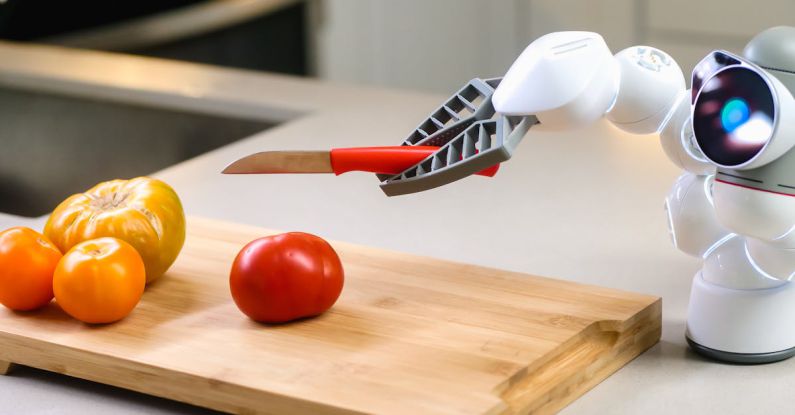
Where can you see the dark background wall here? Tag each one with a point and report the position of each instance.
(274, 42)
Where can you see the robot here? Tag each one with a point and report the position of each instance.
(732, 133)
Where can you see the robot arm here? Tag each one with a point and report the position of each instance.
(561, 80)
(569, 79)
(566, 80)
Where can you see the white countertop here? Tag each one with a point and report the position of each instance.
(584, 206)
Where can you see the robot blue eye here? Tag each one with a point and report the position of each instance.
(734, 114)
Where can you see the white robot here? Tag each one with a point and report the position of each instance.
(732, 133)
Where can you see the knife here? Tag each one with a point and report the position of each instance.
(383, 160)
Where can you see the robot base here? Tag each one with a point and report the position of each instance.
(741, 326)
(740, 358)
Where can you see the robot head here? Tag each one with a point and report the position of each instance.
(743, 117)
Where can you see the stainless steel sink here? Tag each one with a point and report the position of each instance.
(52, 146)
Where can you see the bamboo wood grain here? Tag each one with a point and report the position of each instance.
(409, 335)
(6, 367)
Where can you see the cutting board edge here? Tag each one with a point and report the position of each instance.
(150, 379)
(584, 361)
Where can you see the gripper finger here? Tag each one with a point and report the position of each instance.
(470, 135)
(479, 146)
(469, 104)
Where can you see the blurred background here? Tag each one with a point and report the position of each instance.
(430, 45)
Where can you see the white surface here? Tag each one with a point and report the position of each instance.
(584, 206)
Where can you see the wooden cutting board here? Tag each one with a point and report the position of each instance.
(409, 335)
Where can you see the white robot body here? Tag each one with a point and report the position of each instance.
(676, 139)
(728, 264)
(756, 213)
(741, 325)
(733, 207)
(691, 216)
(741, 302)
(774, 261)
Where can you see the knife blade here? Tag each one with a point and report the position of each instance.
(384, 160)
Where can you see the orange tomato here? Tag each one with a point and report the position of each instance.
(27, 262)
(99, 281)
(144, 212)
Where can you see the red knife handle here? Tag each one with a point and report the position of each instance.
(386, 160)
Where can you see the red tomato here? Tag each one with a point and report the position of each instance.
(286, 277)
(27, 263)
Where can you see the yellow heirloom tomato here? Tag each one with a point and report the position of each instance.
(144, 212)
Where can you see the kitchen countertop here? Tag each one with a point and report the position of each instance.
(582, 205)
